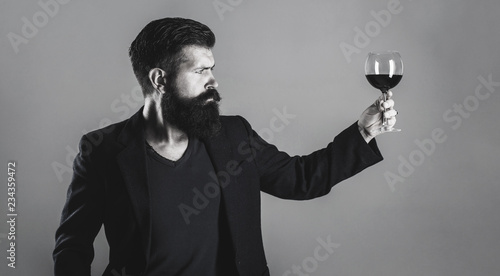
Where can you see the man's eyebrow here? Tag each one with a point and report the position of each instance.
(204, 67)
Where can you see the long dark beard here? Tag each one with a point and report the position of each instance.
(197, 117)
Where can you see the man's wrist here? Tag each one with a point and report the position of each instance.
(365, 134)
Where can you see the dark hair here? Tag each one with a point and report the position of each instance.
(160, 44)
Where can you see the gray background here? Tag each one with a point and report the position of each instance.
(74, 75)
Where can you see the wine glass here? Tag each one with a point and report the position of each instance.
(384, 71)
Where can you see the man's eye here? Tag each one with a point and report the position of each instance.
(199, 71)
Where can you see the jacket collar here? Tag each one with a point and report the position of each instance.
(133, 138)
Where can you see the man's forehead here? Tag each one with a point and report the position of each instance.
(197, 56)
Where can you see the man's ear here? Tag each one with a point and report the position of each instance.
(157, 77)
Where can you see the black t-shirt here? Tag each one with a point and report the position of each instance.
(186, 237)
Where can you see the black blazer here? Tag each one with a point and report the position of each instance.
(110, 187)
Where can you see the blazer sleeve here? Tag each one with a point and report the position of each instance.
(313, 175)
(81, 219)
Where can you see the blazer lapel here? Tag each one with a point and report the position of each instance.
(221, 154)
(132, 163)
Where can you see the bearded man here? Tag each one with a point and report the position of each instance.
(177, 186)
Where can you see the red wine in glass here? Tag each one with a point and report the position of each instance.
(384, 71)
(384, 82)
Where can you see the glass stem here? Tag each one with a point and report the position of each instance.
(384, 119)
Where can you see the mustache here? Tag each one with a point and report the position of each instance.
(207, 95)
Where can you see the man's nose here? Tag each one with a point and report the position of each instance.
(212, 83)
